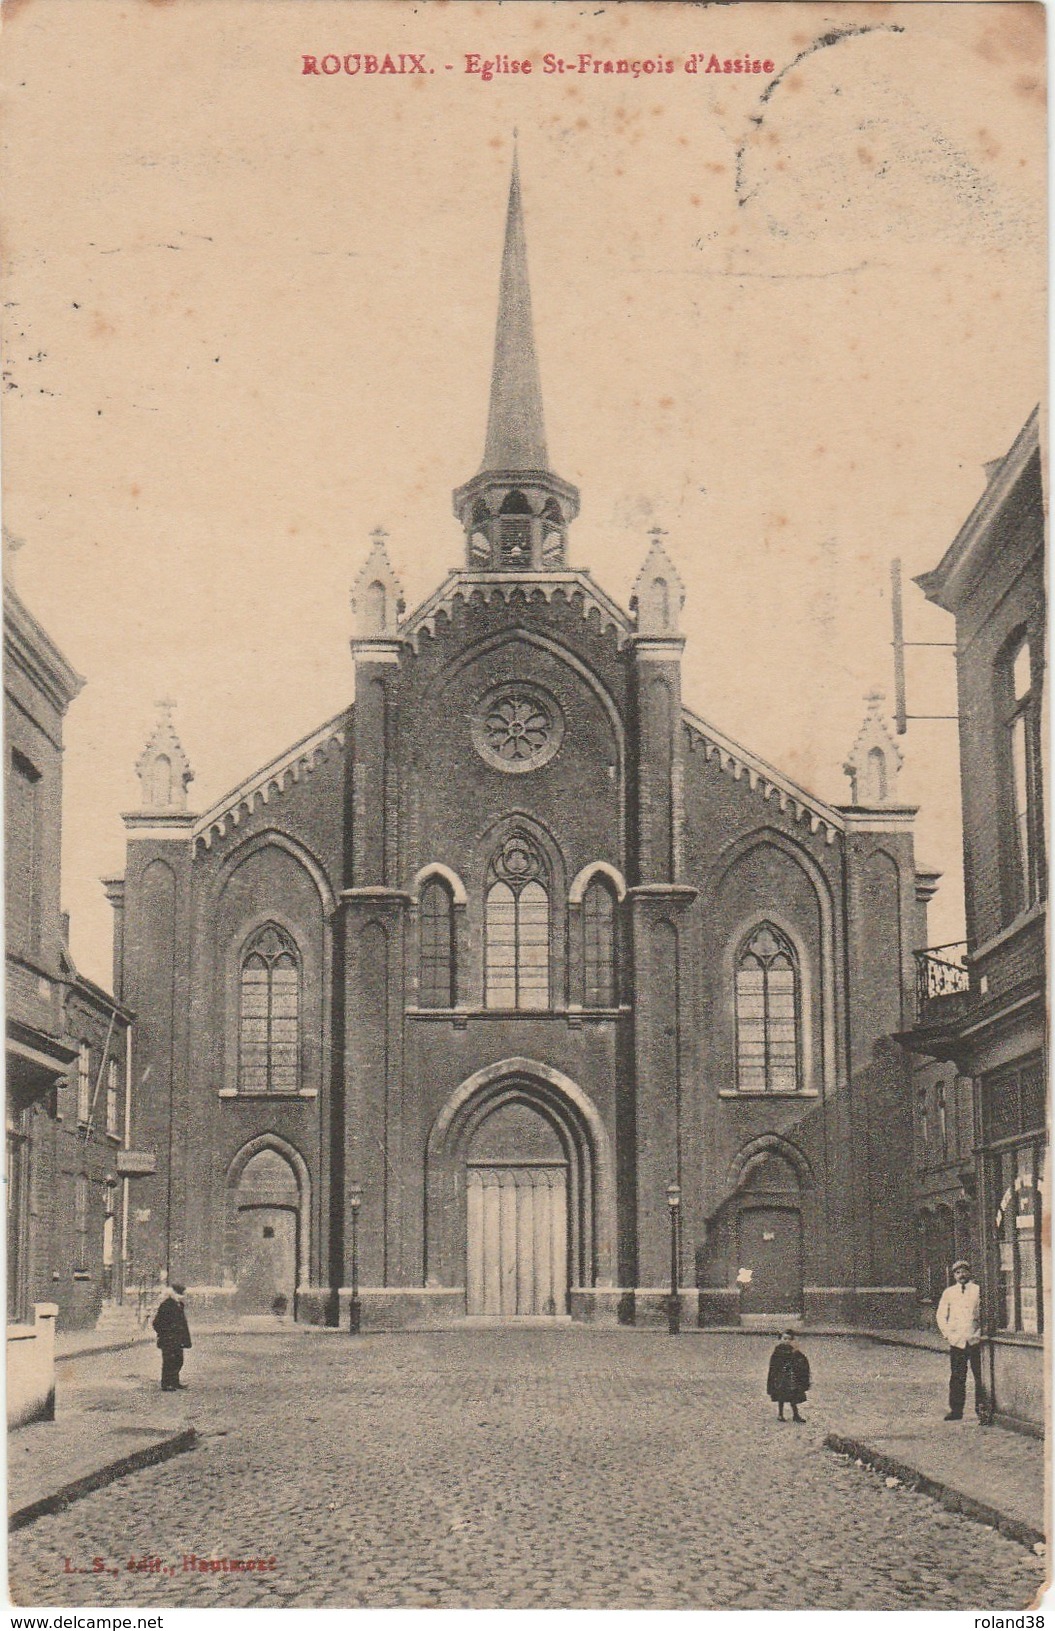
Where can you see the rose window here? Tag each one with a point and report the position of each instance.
(517, 728)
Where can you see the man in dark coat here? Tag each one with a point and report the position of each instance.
(789, 1376)
(170, 1323)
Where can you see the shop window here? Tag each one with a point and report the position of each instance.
(1019, 1188)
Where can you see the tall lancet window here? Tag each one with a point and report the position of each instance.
(768, 1019)
(598, 930)
(516, 929)
(436, 962)
(269, 1014)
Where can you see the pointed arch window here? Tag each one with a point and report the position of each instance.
(436, 988)
(598, 930)
(269, 1014)
(516, 928)
(768, 1014)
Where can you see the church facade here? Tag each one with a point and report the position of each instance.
(464, 982)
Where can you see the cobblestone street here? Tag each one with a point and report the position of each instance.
(516, 1468)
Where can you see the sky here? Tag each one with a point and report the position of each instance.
(249, 314)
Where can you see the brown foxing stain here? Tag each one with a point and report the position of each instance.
(1018, 34)
(819, 451)
(865, 155)
(12, 9)
(988, 143)
(666, 402)
(715, 169)
(695, 200)
(101, 326)
(135, 490)
(293, 529)
(1031, 87)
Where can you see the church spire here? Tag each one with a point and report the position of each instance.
(516, 435)
(515, 511)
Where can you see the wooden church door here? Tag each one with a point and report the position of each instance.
(517, 1239)
(770, 1245)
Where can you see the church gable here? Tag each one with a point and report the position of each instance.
(301, 791)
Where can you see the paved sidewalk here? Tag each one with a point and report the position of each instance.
(520, 1468)
(111, 1420)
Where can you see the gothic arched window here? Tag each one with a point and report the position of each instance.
(516, 928)
(598, 933)
(436, 957)
(767, 1013)
(269, 1014)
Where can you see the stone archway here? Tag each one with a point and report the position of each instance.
(266, 1241)
(520, 1194)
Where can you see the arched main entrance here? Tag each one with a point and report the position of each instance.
(516, 1225)
(521, 1204)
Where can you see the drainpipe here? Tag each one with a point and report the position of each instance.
(128, 1146)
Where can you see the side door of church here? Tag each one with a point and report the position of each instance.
(267, 1259)
(770, 1245)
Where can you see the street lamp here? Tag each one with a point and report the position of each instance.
(355, 1201)
(674, 1306)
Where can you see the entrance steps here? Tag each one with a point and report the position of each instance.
(523, 1322)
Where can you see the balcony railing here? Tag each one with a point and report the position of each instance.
(941, 971)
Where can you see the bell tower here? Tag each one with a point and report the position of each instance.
(515, 511)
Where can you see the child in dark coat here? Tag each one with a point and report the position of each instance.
(789, 1376)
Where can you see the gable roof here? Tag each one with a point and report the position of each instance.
(772, 783)
(289, 767)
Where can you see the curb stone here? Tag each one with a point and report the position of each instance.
(105, 1348)
(952, 1500)
(62, 1498)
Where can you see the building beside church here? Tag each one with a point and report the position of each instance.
(66, 1038)
(982, 1005)
(511, 945)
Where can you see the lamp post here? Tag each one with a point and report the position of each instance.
(674, 1306)
(355, 1201)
